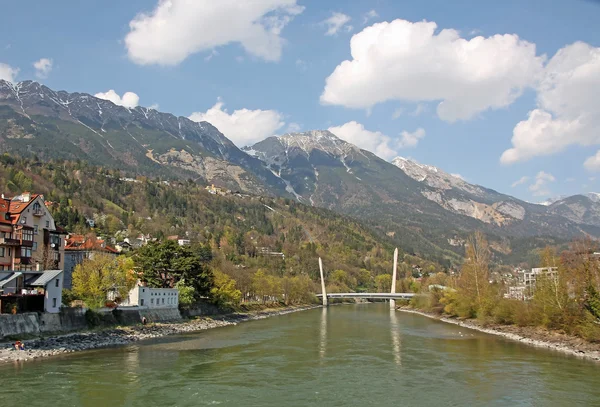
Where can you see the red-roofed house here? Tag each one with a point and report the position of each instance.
(29, 238)
(79, 248)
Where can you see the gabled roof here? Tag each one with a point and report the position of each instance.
(44, 278)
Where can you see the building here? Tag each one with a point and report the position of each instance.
(29, 238)
(525, 287)
(31, 291)
(79, 248)
(180, 241)
(152, 298)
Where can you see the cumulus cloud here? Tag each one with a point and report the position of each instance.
(593, 162)
(293, 128)
(369, 15)
(376, 142)
(520, 181)
(540, 185)
(568, 112)
(128, 100)
(43, 67)
(337, 22)
(8, 73)
(408, 139)
(176, 29)
(243, 127)
(402, 60)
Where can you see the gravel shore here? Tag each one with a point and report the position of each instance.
(534, 336)
(74, 342)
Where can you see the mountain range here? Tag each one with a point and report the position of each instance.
(424, 209)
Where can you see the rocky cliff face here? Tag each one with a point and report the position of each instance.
(39, 120)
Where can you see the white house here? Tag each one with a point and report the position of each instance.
(152, 297)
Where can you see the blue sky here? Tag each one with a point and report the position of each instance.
(264, 70)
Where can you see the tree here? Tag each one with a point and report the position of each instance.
(383, 283)
(96, 277)
(474, 276)
(224, 292)
(164, 264)
(186, 293)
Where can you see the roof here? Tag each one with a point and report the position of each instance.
(44, 278)
(80, 242)
(7, 277)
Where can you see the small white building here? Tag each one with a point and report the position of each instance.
(152, 297)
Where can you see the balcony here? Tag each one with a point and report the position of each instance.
(10, 241)
(38, 212)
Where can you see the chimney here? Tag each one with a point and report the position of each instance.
(26, 196)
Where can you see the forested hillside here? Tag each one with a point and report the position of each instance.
(243, 231)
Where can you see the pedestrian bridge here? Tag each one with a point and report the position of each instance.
(379, 296)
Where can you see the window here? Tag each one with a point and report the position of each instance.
(35, 229)
(23, 219)
(53, 302)
(25, 251)
(57, 282)
(163, 301)
(34, 246)
(152, 301)
(2, 250)
(47, 224)
(142, 302)
(56, 256)
(28, 234)
(9, 252)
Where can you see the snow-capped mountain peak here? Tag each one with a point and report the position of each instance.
(434, 177)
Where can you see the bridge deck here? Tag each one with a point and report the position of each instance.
(390, 296)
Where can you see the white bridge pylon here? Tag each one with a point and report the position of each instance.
(392, 296)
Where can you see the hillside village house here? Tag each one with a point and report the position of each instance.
(29, 238)
(79, 248)
(31, 291)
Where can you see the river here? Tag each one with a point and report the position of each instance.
(355, 355)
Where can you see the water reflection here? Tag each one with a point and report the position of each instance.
(395, 331)
(323, 335)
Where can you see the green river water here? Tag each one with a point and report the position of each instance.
(355, 355)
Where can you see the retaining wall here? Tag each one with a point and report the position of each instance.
(73, 319)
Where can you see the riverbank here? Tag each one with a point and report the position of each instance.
(80, 341)
(534, 336)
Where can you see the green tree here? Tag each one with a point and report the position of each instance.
(96, 277)
(224, 292)
(383, 283)
(186, 293)
(164, 264)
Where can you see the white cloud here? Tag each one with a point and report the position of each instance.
(397, 113)
(568, 112)
(293, 128)
(411, 139)
(243, 126)
(337, 22)
(520, 181)
(593, 162)
(301, 65)
(406, 61)
(540, 186)
(43, 67)
(369, 15)
(154, 106)
(376, 142)
(458, 176)
(8, 73)
(129, 99)
(176, 29)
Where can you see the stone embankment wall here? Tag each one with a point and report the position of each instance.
(73, 319)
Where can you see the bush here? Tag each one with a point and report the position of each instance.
(92, 318)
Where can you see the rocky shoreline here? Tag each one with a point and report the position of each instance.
(533, 336)
(80, 341)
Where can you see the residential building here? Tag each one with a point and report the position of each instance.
(31, 291)
(79, 248)
(29, 238)
(180, 241)
(152, 298)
